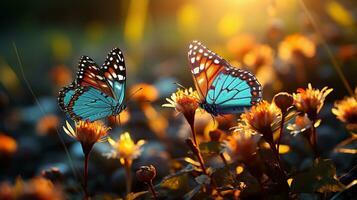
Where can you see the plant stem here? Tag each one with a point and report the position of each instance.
(313, 139)
(283, 114)
(223, 159)
(85, 175)
(152, 189)
(191, 121)
(128, 175)
(195, 147)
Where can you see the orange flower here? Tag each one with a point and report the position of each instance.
(47, 125)
(184, 101)
(144, 92)
(8, 145)
(261, 116)
(240, 45)
(242, 142)
(296, 45)
(6, 191)
(120, 119)
(346, 110)
(261, 55)
(310, 101)
(36, 188)
(61, 75)
(87, 133)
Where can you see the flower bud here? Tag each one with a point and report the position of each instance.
(146, 173)
(215, 135)
(283, 101)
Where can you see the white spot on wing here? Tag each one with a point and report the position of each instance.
(196, 70)
(192, 60)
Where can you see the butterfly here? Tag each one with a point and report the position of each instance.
(97, 92)
(223, 89)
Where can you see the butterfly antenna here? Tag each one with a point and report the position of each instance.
(43, 111)
(119, 121)
(131, 95)
(181, 86)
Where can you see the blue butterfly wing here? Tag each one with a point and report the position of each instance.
(234, 90)
(114, 72)
(223, 89)
(91, 104)
(65, 96)
(97, 92)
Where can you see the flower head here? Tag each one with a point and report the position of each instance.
(144, 92)
(47, 125)
(296, 46)
(240, 45)
(146, 173)
(310, 100)
(346, 110)
(61, 75)
(8, 145)
(87, 133)
(261, 55)
(120, 119)
(125, 148)
(261, 117)
(184, 101)
(35, 188)
(242, 142)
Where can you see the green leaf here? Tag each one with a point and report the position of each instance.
(224, 176)
(319, 178)
(212, 147)
(175, 182)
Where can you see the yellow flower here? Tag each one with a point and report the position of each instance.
(87, 133)
(310, 100)
(296, 45)
(125, 148)
(346, 110)
(184, 101)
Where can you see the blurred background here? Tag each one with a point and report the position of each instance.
(286, 43)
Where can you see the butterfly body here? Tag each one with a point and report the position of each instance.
(97, 92)
(223, 89)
